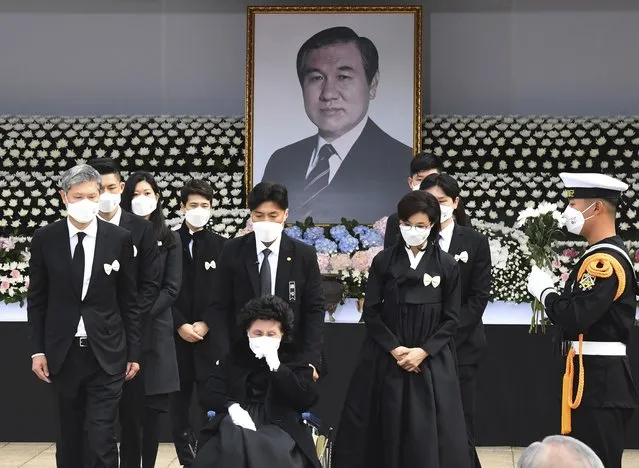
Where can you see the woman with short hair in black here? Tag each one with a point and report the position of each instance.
(403, 408)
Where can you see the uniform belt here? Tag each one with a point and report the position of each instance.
(601, 348)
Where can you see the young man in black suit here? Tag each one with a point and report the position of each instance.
(268, 262)
(84, 320)
(421, 166)
(196, 344)
(351, 168)
(147, 269)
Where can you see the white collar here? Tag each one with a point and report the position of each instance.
(91, 230)
(116, 217)
(274, 247)
(447, 232)
(344, 143)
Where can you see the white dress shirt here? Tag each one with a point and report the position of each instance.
(88, 244)
(446, 237)
(414, 259)
(116, 217)
(342, 147)
(272, 258)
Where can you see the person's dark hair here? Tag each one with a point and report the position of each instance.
(268, 308)
(162, 231)
(451, 188)
(196, 187)
(339, 35)
(265, 192)
(105, 166)
(421, 202)
(425, 162)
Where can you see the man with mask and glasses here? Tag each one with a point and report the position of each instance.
(268, 262)
(595, 314)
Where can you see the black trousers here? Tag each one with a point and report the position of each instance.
(88, 402)
(184, 432)
(468, 388)
(603, 430)
(140, 431)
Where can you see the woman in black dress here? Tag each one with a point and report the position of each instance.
(158, 376)
(258, 395)
(403, 408)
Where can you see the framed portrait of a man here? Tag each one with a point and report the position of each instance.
(333, 107)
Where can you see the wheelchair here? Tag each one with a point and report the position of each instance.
(323, 443)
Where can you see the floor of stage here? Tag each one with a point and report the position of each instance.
(38, 455)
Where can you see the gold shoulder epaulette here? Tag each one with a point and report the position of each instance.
(603, 265)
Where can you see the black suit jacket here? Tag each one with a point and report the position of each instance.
(196, 293)
(110, 308)
(239, 282)
(145, 259)
(369, 183)
(158, 345)
(476, 280)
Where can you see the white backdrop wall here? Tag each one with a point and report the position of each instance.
(168, 57)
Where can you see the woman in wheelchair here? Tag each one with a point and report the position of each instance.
(258, 393)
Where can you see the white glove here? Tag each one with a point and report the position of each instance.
(272, 359)
(538, 282)
(240, 417)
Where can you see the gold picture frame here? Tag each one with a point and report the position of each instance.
(372, 14)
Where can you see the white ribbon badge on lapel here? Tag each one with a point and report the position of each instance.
(209, 265)
(135, 251)
(462, 257)
(115, 266)
(434, 280)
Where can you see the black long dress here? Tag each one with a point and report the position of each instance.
(393, 418)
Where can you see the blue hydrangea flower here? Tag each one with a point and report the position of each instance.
(348, 244)
(339, 232)
(314, 233)
(371, 239)
(295, 232)
(325, 246)
(361, 230)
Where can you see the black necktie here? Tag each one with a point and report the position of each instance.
(265, 275)
(317, 180)
(77, 265)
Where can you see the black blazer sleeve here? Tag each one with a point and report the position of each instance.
(391, 235)
(37, 295)
(148, 270)
(373, 306)
(172, 280)
(313, 310)
(294, 386)
(450, 308)
(128, 301)
(478, 293)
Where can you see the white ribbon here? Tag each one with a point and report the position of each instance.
(431, 280)
(135, 251)
(462, 257)
(115, 266)
(209, 265)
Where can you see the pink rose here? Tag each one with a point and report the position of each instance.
(15, 273)
(324, 262)
(360, 260)
(4, 285)
(570, 253)
(380, 225)
(340, 262)
(637, 256)
(556, 264)
(564, 277)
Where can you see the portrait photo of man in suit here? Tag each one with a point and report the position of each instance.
(351, 167)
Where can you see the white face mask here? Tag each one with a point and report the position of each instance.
(414, 236)
(109, 202)
(575, 219)
(267, 231)
(262, 345)
(415, 188)
(198, 217)
(447, 212)
(83, 211)
(143, 205)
